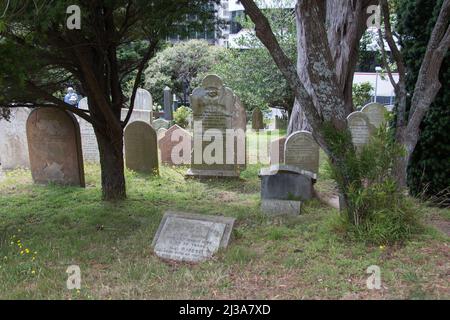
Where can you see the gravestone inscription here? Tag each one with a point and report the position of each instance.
(302, 151)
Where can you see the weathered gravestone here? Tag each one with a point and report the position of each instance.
(141, 148)
(376, 113)
(161, 133)
(277, 151)
(13, 140)
(160, 124)
(302, 151)
(217, 110)
(257, 119)
(191, 237)
(175, 147)
(54, 145)
(360, 128)
(168, 104)
(143, 100)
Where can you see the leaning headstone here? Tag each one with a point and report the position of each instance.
(168, 104)
(54, 145)
(302, 151)
(191, 237)
(13, 140)
(141, 148)
(376, 113)
(277, 151)
(175, 147)
(360, 128)
(214, 108)
(257, 119)
(160, 124)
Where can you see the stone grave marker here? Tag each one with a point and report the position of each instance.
(161, 133)
(376, 113)
(360, 128)
(257, 119)
(302, 151)
(54, 145)
(13, 140)
(141, 148)
(191, 237)
(277, 151)
(175, 147)
(160, 124)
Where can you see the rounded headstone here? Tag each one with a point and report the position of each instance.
(360, 128)
(302, 151)
(376, 113)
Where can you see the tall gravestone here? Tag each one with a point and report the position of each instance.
(144, 102)
(302, 151)
(175, 147)
(54, 145)
(13, 140)
(168, 104)
(360, 128)
(257, 119)
(277, 151)
(215, 110)
(376, 113)
(141, 148)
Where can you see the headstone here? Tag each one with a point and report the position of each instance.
(277, 151)
(54, 145)
(360, 128)
(13, 140)
(215, 109)
(168, 104)
(161, 133)
(160, 123)
(257, 119)
(175, 147)
(141, 148)
(281, 207)
(191, 237)
(144, 102)
(376, 113)
(302, 151)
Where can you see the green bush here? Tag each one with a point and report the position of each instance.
(181, 116)
(362, 94)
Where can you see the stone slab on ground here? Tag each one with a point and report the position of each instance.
(281, 207)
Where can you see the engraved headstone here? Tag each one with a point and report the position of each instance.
(376, 113)
(175, 147)
(191, 237)
(13, 140)
(160, 124)
(360, 128)
(216, 109)
(257, 119)
(277, 151)
(302, 151)
(141, 148)
(54, 145)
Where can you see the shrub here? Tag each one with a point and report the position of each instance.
(181, 116)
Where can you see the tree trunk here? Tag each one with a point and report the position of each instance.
(112, 166)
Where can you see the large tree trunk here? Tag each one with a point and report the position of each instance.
(112, 166)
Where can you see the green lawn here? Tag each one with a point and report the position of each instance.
(45, 229)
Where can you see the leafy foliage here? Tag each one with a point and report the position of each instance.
(181, 116)
(362, 94)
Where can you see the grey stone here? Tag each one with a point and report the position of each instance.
(302, 151)
(191, 237)
(168, 104)
(281, 207)
(160, 124)
(54, 145)
(360, 128)
(376, 113)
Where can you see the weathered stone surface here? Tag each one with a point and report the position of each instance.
(160, 124)
(175, 147)
(168, 104)
(281, 207)
(13, 140)
(54, 145)
(302, 151)
(141, 148)
(191, 237)
(376, 113)
(286, 183)
(143, 100)
(360, 128)
(257, 119)
(277, 151)
(161, 133)
(216, 109)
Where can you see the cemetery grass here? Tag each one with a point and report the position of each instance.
(45, 229)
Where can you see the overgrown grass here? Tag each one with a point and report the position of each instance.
(278, 258)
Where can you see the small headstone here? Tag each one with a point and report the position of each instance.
(160, 124)
(141, 148)
(191, 237)
(277, 151)
(54, 145)
(257, 119)
(168, 104)
(175, 147)
(302, 151)
(376, 113)
(360, 128)
(13, 140)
